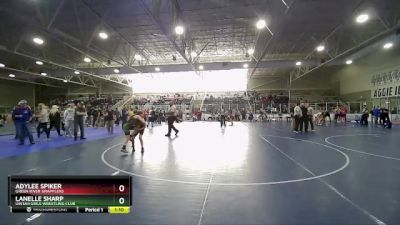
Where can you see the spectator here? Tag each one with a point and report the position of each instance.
(109, 119)
(22, 115)
(55, 119)
(297, 117)
(43, 120)
(304, 118)
(80, 113)
(69, 115)
(310, 113)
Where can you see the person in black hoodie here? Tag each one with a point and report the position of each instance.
(303, 119)
(170, 120)
(55, 119)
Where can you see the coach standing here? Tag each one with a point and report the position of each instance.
(22, 115)
(80, 113)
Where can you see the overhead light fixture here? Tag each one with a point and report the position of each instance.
(250, 51)
(2, 65)
(157, 69)
(388, 45)
(362, 18)
(138, 57)
(193, 54)
(39, 62)
(103, 35)
(38, 40)
(116, 70)
(245, 65)
(179, 29)
(65, 81)
(298, 63)
(76, 72)
(348, 62)
(320, 48)
(11, 75)
(86, 59)
(261, 24)
(43, 74)
(201, 67)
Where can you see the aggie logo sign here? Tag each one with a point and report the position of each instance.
(386, 91)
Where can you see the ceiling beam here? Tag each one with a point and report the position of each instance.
(158, 22)
(267, 45)
(30, 82)
(365, 44)
(47, 77)
(273, 64)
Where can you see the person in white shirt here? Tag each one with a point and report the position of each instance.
(310, 113)
(297, 117)
(69, 115)
(43, 120)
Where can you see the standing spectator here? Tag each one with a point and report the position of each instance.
(364, 117)
(385, 116)
(251, 116)
(80, 113)
(152, 117)
(69, 115)
(304, 119)
(55, 119)
(222, 118)
(95, 114)
(310, 113)
(109, 118)
(15, 124)
(22, 115)
(124, 115)
(43, 120)
(376, 114)
(297, 117)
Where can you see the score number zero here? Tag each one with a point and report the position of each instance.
(121, 200)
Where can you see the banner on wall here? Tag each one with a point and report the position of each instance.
(387, 91)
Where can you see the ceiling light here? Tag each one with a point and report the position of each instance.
(76, 72)
(388, 45)
(201, 67)
(43, 74)
(39, 62)
(298, 63)
(86, 59)
(250, 51)
(138, 57)
(245, 65)
(157, 69)
(362, 18)
(193, 54)
(65, 81)
(348, 62)
(320, 48)
(11, 75)
(179, 29)
(261, 24)
(116, 70)
(2, 65)
(38, 40)
(103, 35)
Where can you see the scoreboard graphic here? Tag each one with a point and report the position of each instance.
(70, 194)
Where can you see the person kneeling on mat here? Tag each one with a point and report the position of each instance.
(136, 124)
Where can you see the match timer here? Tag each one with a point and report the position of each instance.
(70, 194)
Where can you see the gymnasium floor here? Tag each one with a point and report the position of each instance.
(249, 173)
